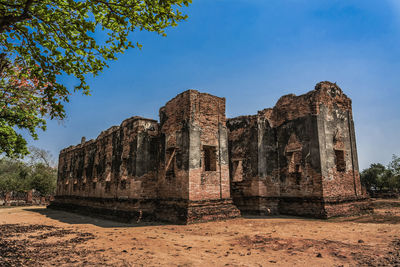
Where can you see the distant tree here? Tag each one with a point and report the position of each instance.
(43, 175)
(378, 177)
(14, 175)
(41, 39)
(373, 177)
(19, 176)
(38, 155)
(394, 165)
(43, 179)
(394, 169)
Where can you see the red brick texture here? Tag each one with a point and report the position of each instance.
(300, 157)
(297, 158)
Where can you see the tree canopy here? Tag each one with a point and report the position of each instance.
(382, 178)
(42, 39)
(19, 176)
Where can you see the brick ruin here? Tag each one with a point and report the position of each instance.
(298, 158)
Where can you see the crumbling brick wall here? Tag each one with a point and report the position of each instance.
(246, 186)
(209, 175)
(176, 170)
(338, 147)
(27, 198)
(306, 155)
(194, 173)
(298, 157)
(174, 163)
(121, 163)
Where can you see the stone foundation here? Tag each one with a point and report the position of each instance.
(254, 205)
(211, 210)
(308, 207)
(134, 210)
(348, 207)
(123, 210)
(324, 208)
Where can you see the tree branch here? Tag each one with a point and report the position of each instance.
(8, 20)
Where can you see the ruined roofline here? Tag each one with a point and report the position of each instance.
(190, 91)
(322, 93)
(134, 118)
(106, 133)
(286, 104)
(319, 85)
(320, 88)
(137, 118)
(241, 117)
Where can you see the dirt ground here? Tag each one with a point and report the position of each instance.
(36, 236)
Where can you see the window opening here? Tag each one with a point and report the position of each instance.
(210, 158)
(170, 167)
(123, 184)
(108, 187)
(339, 161)
(237, 171)
(294, 158)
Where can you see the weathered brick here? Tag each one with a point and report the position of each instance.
(296, 158)
(300, 156)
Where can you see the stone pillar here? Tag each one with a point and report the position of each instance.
(195, 168)
(7, 199)
(28, 197)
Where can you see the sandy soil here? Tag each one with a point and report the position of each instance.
(36, 236)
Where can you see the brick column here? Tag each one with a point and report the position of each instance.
(7, 199)
(28, 198)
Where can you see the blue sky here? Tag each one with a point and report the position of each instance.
(252, 52)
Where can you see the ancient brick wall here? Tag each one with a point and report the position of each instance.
(209, 170)
(195, 166)
(298, 157)
(297, 149)
(306, 155)
(176, 170)
(246, 185)
(196, 151)
(27, 198)
(338, 147)
(174, 162)
(121, 163)
(281, 155)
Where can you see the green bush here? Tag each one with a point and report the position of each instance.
(19, 176)
(43, 179)
(382, 178)
(14, 175)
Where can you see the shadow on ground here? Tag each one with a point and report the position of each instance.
(385, 212)
(270, 217)
(75, 218)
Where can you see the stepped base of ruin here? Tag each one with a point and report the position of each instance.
(316, 207)
(123, 210)
(187, 212)
(254, 205)
(348, 207)
(134, 210)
